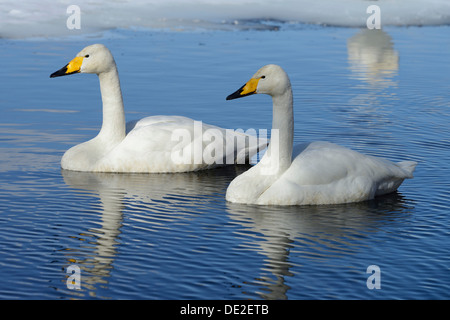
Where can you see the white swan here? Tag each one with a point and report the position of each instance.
(152, 144)
(310, 173)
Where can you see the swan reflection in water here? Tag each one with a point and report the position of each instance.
(289, 236)
(285, 236)
(157, 199)
(374, 63)
(372, 57)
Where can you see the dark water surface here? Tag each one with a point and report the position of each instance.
(173, 236)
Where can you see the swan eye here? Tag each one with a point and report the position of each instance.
(263, 77)
(86, 56)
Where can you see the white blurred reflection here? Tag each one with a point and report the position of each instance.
(374, 64)
(372, 57)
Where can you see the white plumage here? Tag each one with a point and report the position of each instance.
(309, 173)
(154, 144)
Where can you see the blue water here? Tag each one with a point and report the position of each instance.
(173, 236)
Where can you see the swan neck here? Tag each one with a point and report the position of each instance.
(281, 142)
(113, 126)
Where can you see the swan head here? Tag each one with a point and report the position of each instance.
(270, 79)
(95, 58)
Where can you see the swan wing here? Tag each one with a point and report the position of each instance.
(176, 144)
(325, 173)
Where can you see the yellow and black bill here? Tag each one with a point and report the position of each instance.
(247, 89)
(72, 67)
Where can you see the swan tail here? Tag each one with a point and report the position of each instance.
(408, 167)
